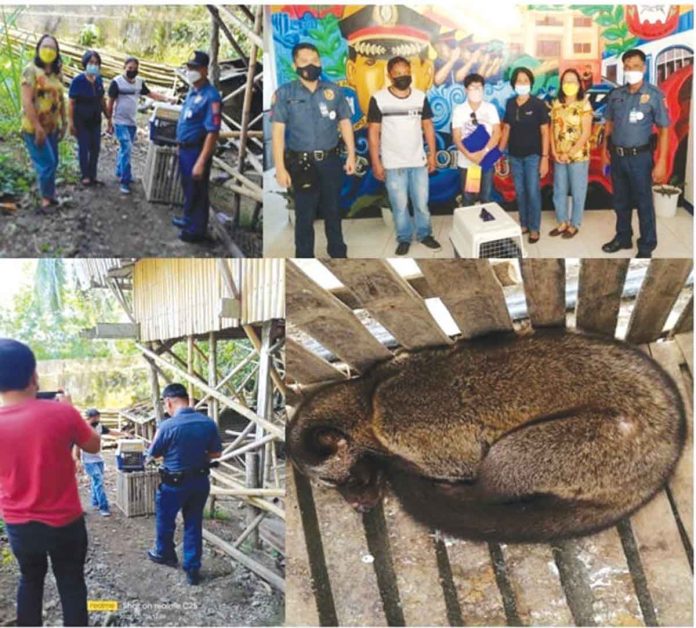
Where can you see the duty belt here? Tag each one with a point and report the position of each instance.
(631, 151)
(198, 144)
(174, 478)
(316, 155)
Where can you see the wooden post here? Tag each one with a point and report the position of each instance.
(254, 462)
(212, 402)
(214, 73)
(189, 367)
(155, 392)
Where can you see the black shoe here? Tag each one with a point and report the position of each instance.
(643, 254)
(180, 222)
(193, 577)
(403, 248)
(185, 236)
(161, 560)
(616, 245)
(431, 243)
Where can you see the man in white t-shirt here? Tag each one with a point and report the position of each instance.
(399, 116)
(465, 118)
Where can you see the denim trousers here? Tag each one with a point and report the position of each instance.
(95, 471)
(32, 543)
(570, 178)
(190, 498)
(404, 184)
(45, 160)
(525, 174)
(88, 147)
(125, 135)
(484, 194)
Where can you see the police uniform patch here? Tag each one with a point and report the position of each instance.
(329, 94)
(644, 98)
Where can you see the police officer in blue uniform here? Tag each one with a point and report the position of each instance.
(632, 110)
(197, 133)
(307, 115)
(187, 442)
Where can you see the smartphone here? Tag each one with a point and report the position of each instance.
(48, 394)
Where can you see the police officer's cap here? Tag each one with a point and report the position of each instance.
(92, 412)
(385, 31)
(198, 58)
(174, 390)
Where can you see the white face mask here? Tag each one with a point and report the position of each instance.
(633, 76)
(475, 95)
(193, 76)
(522, 89)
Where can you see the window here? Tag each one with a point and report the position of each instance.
(611, 73)
(672, 60)
(549, 20)
(582, 48)
(582, 22)
(548, 48)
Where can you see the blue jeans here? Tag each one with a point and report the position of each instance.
(632, 181)
(189, 497)
(196, 199)
(404, 184)
(45, 160)
(32, 543)
(95, 471)
(125, 135)
(570, 177)
(484, 194)
(525, 174)
(88, 146)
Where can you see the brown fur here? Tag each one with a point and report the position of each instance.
(505, 438)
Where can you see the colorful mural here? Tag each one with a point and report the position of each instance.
(445, 43)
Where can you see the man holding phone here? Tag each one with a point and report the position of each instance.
(39, 499)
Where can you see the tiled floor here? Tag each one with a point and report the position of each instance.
(370, 237)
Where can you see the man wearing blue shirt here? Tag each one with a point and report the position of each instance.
(197, 134)
(307, 116)
(186, 442)
(632, 110)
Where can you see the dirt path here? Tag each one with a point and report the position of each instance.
(153, 595)
(102, 222)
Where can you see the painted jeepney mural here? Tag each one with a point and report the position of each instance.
(445, 43)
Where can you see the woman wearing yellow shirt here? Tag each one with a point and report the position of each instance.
(43, 115)
(571, 126)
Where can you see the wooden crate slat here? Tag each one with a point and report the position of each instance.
(686, 344)
(474, 579)
(685, 322)
(544, 288)
(471, 292)
(353, 580)
(669, 355)
(300, 603)
(534, 578)
(599, 294)
(391, 300)
(329, 321)
(415, 565)
(306, 367)
(664, 561)
(615, 602)
(663, 283)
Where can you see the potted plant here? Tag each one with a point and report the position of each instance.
(666, 198)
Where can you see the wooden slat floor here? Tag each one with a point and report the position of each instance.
(383, 568)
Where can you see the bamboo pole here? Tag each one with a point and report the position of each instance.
(228, 34)
(257, 444)
(252, 33)
(189, 366)
(214, 52)
(248, 529)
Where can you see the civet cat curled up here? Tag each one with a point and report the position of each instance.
(505, 438)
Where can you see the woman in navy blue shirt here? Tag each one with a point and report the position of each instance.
(86, 106)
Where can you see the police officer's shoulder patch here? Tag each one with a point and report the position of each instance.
(329, 94)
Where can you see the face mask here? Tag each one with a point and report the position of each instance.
(193, 76)
(94, 423)
(474, 95)
(633, 76)
(402, 82)
(309, 72)
(92, 69)
(570, 89)
(522, 90)
(47, 55)
(131, 74)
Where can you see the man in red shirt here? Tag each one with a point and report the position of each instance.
(39, 500)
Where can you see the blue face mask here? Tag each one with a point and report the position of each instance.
(522, 90)
(92, 69)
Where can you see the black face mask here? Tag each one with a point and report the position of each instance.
(94, 423)
(402, 82)
(309, 72)
(131, 74)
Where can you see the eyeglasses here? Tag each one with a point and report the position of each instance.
(473, 118)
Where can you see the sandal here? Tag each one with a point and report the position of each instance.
(570, 232)
(533, 237)
(556, 231)
(525, 230)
